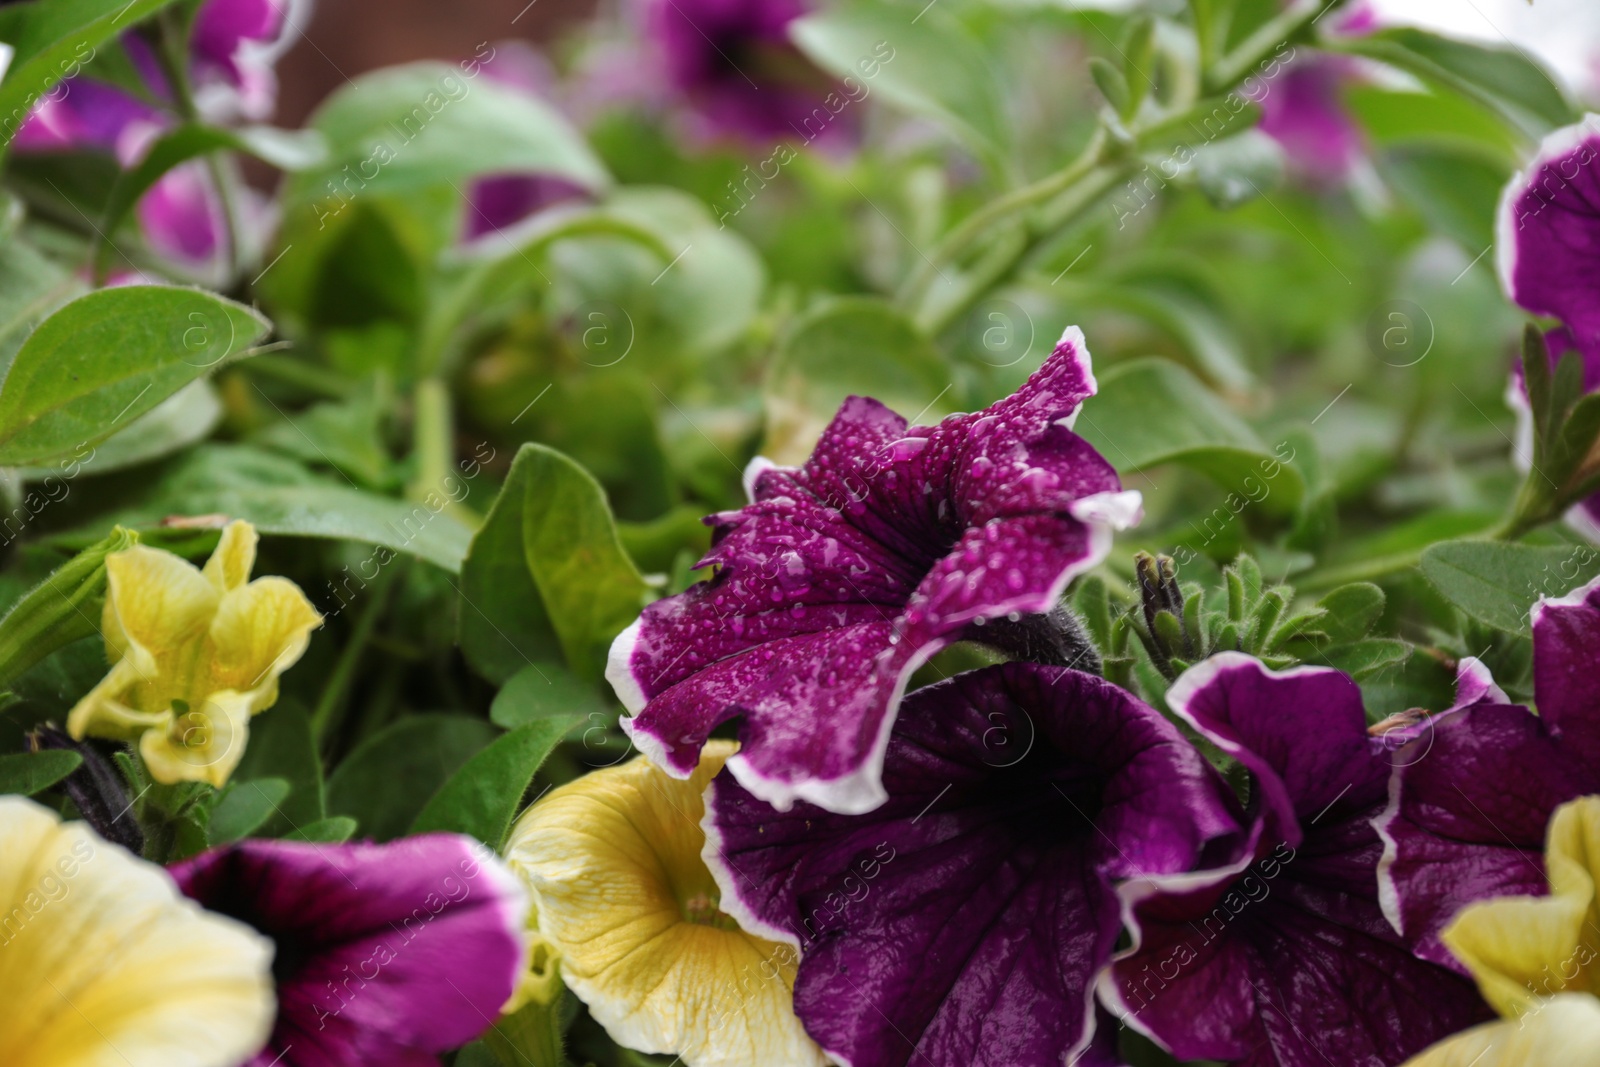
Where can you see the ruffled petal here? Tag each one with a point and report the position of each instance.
(1301, 733)
(103, 964)
(1566, 635)
(1523, 948)
(1465, 819)
(234, 557)
(1548, 240)
(614, 863)
(201, 744)
(846, 573)
(155, 601)
(396, 952)
(260, 630)
(1564, 1030)
(963, 921)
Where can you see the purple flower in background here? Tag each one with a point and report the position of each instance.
(847, 573)
(1284, 956)
(232, 49)
(1304, 113)
(386, 954)
(1302, 108)
(1470, 802)
(732, 62)
(964, 921)
(1547, 246)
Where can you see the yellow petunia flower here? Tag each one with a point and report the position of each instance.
(621, 893)
(104, 964)
(1536, 960)
(193, 655)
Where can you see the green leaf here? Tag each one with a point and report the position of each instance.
(1454, 187)
(107, 358)
(1111, 82)
(52, 40)
(1362, 659)
(1152, 411)
(281, 746)
(1353, 610)
(1503, 79)
(333, 831)
(244, 808)
(60, 610)
(589, 588)
(281, 497)
(821, 362)
(1497, 584)
(27, 773)
(544, 691)
(31, 286)
(187, 416)
(385, 782)
(924, 63)
(285, 149)
(432, 124)
(486, 793)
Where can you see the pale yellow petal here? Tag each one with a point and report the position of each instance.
(102, 711)
(259, 631)
(235, 555)
(1563, 1031)
(104, 964)
(1523, 948)
(154, 603)
(203, 744)
(613, 860)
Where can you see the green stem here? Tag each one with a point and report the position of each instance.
(1364, 571)
(1097, 168)
(330, 710)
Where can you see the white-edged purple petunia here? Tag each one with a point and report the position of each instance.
(963, 922)
(386, 954)
(1547, 246)
(1470, 800)
(1283, 956)
(845, 574)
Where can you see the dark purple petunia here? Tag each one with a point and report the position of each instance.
(732, 62)
(386, 954)
(1303, 110)
(845, 574)
(1471, 800)
(1548, 251)
(1284, 958)
(962, 923)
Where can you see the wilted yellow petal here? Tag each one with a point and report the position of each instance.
(1562, 1031)
(230, 564)
(260, 630)
(155, 602)
(104, 964)
(203, 744)
(1521, 949)
(613, 860)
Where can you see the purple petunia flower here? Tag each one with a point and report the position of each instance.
(386, 954)
(964, 921)
(1470, 802)
(1303, 109)
(732, 61)
(1284, 955)
(231, 51)
(847, 573)
(1547, 247)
